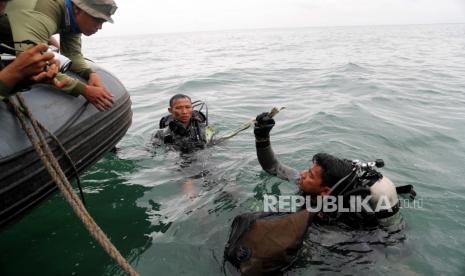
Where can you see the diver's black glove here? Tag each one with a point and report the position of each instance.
(263, 125)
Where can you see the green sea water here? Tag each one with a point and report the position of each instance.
(391, 92)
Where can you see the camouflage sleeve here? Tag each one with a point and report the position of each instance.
(74, 87)
(71, 47)
(37, 27)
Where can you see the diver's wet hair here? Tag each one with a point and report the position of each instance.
(333, 168)
(177, 97)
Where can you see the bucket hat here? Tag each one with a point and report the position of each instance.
(103, 9)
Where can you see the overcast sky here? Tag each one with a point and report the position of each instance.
(167, 16)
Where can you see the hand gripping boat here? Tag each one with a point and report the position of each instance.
(86, 134)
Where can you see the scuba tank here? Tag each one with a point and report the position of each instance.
(364, 180)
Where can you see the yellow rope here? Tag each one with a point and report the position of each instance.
(274, 111)
(51, 164)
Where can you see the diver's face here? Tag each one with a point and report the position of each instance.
(311, 181)
(87, 24)
(2, 7)
(182, 110)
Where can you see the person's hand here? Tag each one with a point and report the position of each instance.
(31, 62)
(94, 80)
(263, 125)
(99, 97)
(48, 73)
(49, 76)
(59, 84)
(34, 60)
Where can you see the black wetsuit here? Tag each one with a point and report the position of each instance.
(186, 139)
(270, 164)
(267, 243)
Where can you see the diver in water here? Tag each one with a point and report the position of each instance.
(185, 129)
(329, 175)
(268, 242)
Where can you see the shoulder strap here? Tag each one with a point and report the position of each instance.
(199, 116)
(164, 121)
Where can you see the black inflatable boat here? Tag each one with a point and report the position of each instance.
(85, 132)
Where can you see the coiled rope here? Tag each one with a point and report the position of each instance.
(40, 144)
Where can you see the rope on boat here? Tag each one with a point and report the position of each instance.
(51, 164)
(71, 162)
(63, 150)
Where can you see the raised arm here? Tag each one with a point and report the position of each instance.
(265, 153)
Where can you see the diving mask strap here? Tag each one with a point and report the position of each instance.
(340, 183)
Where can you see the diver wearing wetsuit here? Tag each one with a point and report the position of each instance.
(323, 176)
(264, 243)
(184, 129)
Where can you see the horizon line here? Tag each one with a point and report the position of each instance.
(271, 28)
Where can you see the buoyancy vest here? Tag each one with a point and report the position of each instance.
(181, 137)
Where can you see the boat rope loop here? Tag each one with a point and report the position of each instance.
(62, 148)
(40, 144)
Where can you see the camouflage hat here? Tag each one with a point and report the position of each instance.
(102, 9)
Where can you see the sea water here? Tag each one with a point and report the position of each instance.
(390, 92)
